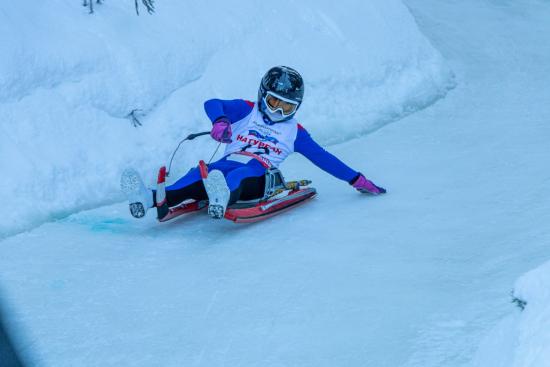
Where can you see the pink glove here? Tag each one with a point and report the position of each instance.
(365, 186)
(221, 130)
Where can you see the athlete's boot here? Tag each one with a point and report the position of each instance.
(139, 197)
(218, 193)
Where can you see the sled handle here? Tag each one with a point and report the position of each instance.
(196, 135)
(189, 137)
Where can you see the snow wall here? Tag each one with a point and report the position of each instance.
(522, 339)
(68, 81)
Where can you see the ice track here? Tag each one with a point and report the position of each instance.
(412, 278)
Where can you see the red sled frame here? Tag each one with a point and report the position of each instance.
(279, 196)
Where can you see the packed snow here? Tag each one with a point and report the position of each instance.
(522, 339)
(422, 276)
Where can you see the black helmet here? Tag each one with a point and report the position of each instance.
(285, 86)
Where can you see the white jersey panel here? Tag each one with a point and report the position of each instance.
(272, 142)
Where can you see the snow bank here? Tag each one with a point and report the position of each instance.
(522, 339)
(69, 79)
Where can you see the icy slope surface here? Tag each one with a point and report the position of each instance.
(504, 93)
(413, 278)
(68, 81)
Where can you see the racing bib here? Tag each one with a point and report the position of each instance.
(271, 142)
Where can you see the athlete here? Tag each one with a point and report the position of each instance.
(257, 136)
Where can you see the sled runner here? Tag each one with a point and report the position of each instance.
(278, 197)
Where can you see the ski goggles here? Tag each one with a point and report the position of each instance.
(276, 103)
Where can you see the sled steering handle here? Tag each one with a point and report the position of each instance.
(189, 137)
(196, 135)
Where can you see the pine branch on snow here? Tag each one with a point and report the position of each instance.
(133, 116)
(90, 4)
(149, 5)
